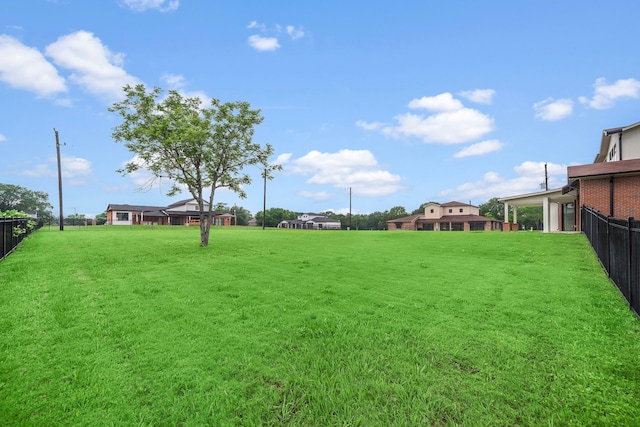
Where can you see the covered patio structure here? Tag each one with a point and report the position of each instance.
(558, 209)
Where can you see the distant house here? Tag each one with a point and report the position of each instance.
(183, 212)
(450, 216)
(311, 221)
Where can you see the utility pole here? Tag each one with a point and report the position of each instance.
(350, 208)
(264, 197)
(546, 178)
(59, 180)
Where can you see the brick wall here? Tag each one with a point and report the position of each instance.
(627, 202)
(595, 194)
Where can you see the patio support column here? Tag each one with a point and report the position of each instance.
(546, 226)
(515, 214)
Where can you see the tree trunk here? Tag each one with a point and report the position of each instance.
(204, 228)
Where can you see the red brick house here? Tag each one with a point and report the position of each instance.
(611, 184)
(450, 216)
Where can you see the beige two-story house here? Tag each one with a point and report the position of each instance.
(450, 216)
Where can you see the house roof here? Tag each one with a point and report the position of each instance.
(411, 218)
(454, 203)
(607, 134)
(323, 219)
(133, 208)
(603, 169)
(181, 202)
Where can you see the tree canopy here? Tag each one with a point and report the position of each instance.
(195, 147)
(15, 197)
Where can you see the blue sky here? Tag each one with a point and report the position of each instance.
(403, 102)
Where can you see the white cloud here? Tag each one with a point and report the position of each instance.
(263, 43)
(75, 170)
(480, 96)
(94, 67)
(255, 24)
(161, 5)
(443, 102)
(174, 81)
(295, 33)
(355, 169)
(2, 137)
(450, 127)
(530, 175)
(451, 123)
(369, 125)
(283, 159)
(480, 148)
(605, 95)
(26, 68)
(552, 110)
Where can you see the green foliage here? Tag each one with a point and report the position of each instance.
(101, 218)
(420, 210)
(242, 215)
(492, 209)
(530, 217)
(29, 226)
(15, 197)
(274, 216)
(282, 327)
(200, 148)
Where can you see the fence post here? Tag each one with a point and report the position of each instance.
(629, 269)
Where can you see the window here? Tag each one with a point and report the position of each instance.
(450, 210)
(476, 226)
(398, 225)
(428, 227)
(431, 211)
(461, 210)
(122, 216)
(457, 226)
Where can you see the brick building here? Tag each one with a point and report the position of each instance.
(611, 184)
(450, 216)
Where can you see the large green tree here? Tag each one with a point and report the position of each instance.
(274, 216)
(199, 148)
(492, 209)
(15, 197)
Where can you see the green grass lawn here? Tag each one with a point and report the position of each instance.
(141, 326)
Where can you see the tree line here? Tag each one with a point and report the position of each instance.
(529, 217)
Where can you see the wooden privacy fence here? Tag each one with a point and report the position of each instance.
(12, 232)
(617, 244)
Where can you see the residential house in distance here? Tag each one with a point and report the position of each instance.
(610, 185)
(183, 212)
(450, 216)
(311, 221)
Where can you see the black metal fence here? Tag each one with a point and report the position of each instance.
(12, 232)
(617, 244)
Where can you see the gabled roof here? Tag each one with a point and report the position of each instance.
(454, 203)
(411, 218)
(133, 208)
(607, 134)
(182, 202)
(322, 219)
